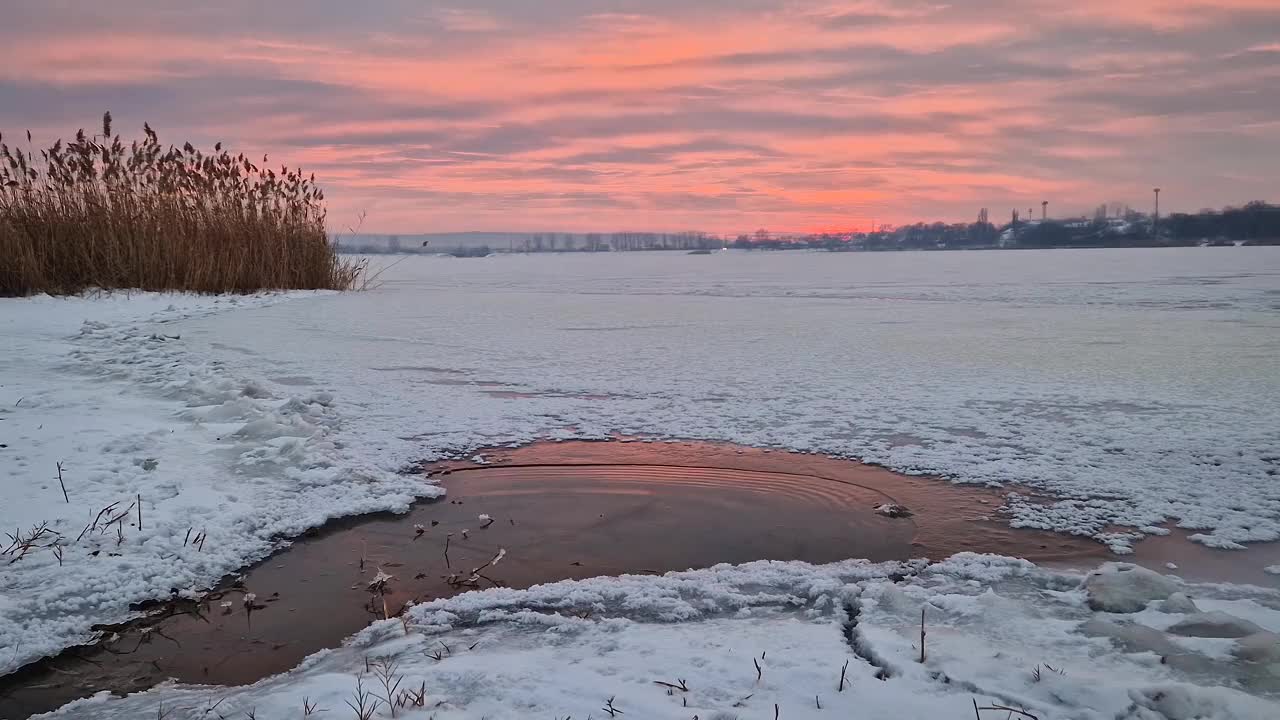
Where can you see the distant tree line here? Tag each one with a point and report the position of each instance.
(1256, 223)
(548, 242)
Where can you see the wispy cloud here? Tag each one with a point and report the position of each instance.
(723, 115)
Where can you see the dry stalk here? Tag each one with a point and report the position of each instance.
(678, 685)
(413, 698)
(366, 704)
(922, 634)
(97, 213)
(23, 543)
(62, 484)
(385, 671)
(1002, 708)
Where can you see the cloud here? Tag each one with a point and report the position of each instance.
(724, 115)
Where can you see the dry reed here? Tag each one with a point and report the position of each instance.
(94, 213)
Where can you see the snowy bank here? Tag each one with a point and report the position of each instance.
(749, 641)
(176, 472)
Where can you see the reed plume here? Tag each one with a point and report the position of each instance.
(95, 213)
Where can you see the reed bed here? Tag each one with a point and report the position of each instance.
(94, 213)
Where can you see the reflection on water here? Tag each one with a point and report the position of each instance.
(560, 510)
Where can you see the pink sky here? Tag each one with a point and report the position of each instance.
(721, 115)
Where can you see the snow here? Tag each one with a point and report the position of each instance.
(1261, 648)
(1214, 625)
(1128, 390)
(1180, 604)
(1126, 588)
(744, 639)
(225, 468)
(1272, 569)
(1131, 389)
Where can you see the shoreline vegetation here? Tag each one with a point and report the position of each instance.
(97, 214)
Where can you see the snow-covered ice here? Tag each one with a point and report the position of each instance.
(1214, 624)
(1126, 588)
(224, 468)
(736, 641)
(1134, 387)
(1126, 389)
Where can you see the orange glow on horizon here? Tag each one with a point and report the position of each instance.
(824, 116)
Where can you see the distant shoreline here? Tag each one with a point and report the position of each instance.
(798, 248)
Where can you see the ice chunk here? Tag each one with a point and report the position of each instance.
(1132, 637)
(1126, 588)
(1179, 604)
(1215, 625)
(893, 511)
(1263, 647)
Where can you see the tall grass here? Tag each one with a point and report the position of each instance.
(95, 214)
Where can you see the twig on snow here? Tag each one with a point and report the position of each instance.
(1003, 708)
(61, 483)
(385, 671)
(922, 634)
(682, 686)
(365, 704)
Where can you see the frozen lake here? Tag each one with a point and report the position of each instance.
(1138, 386)
(1112, 394)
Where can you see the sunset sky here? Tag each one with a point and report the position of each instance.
(718, 115)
